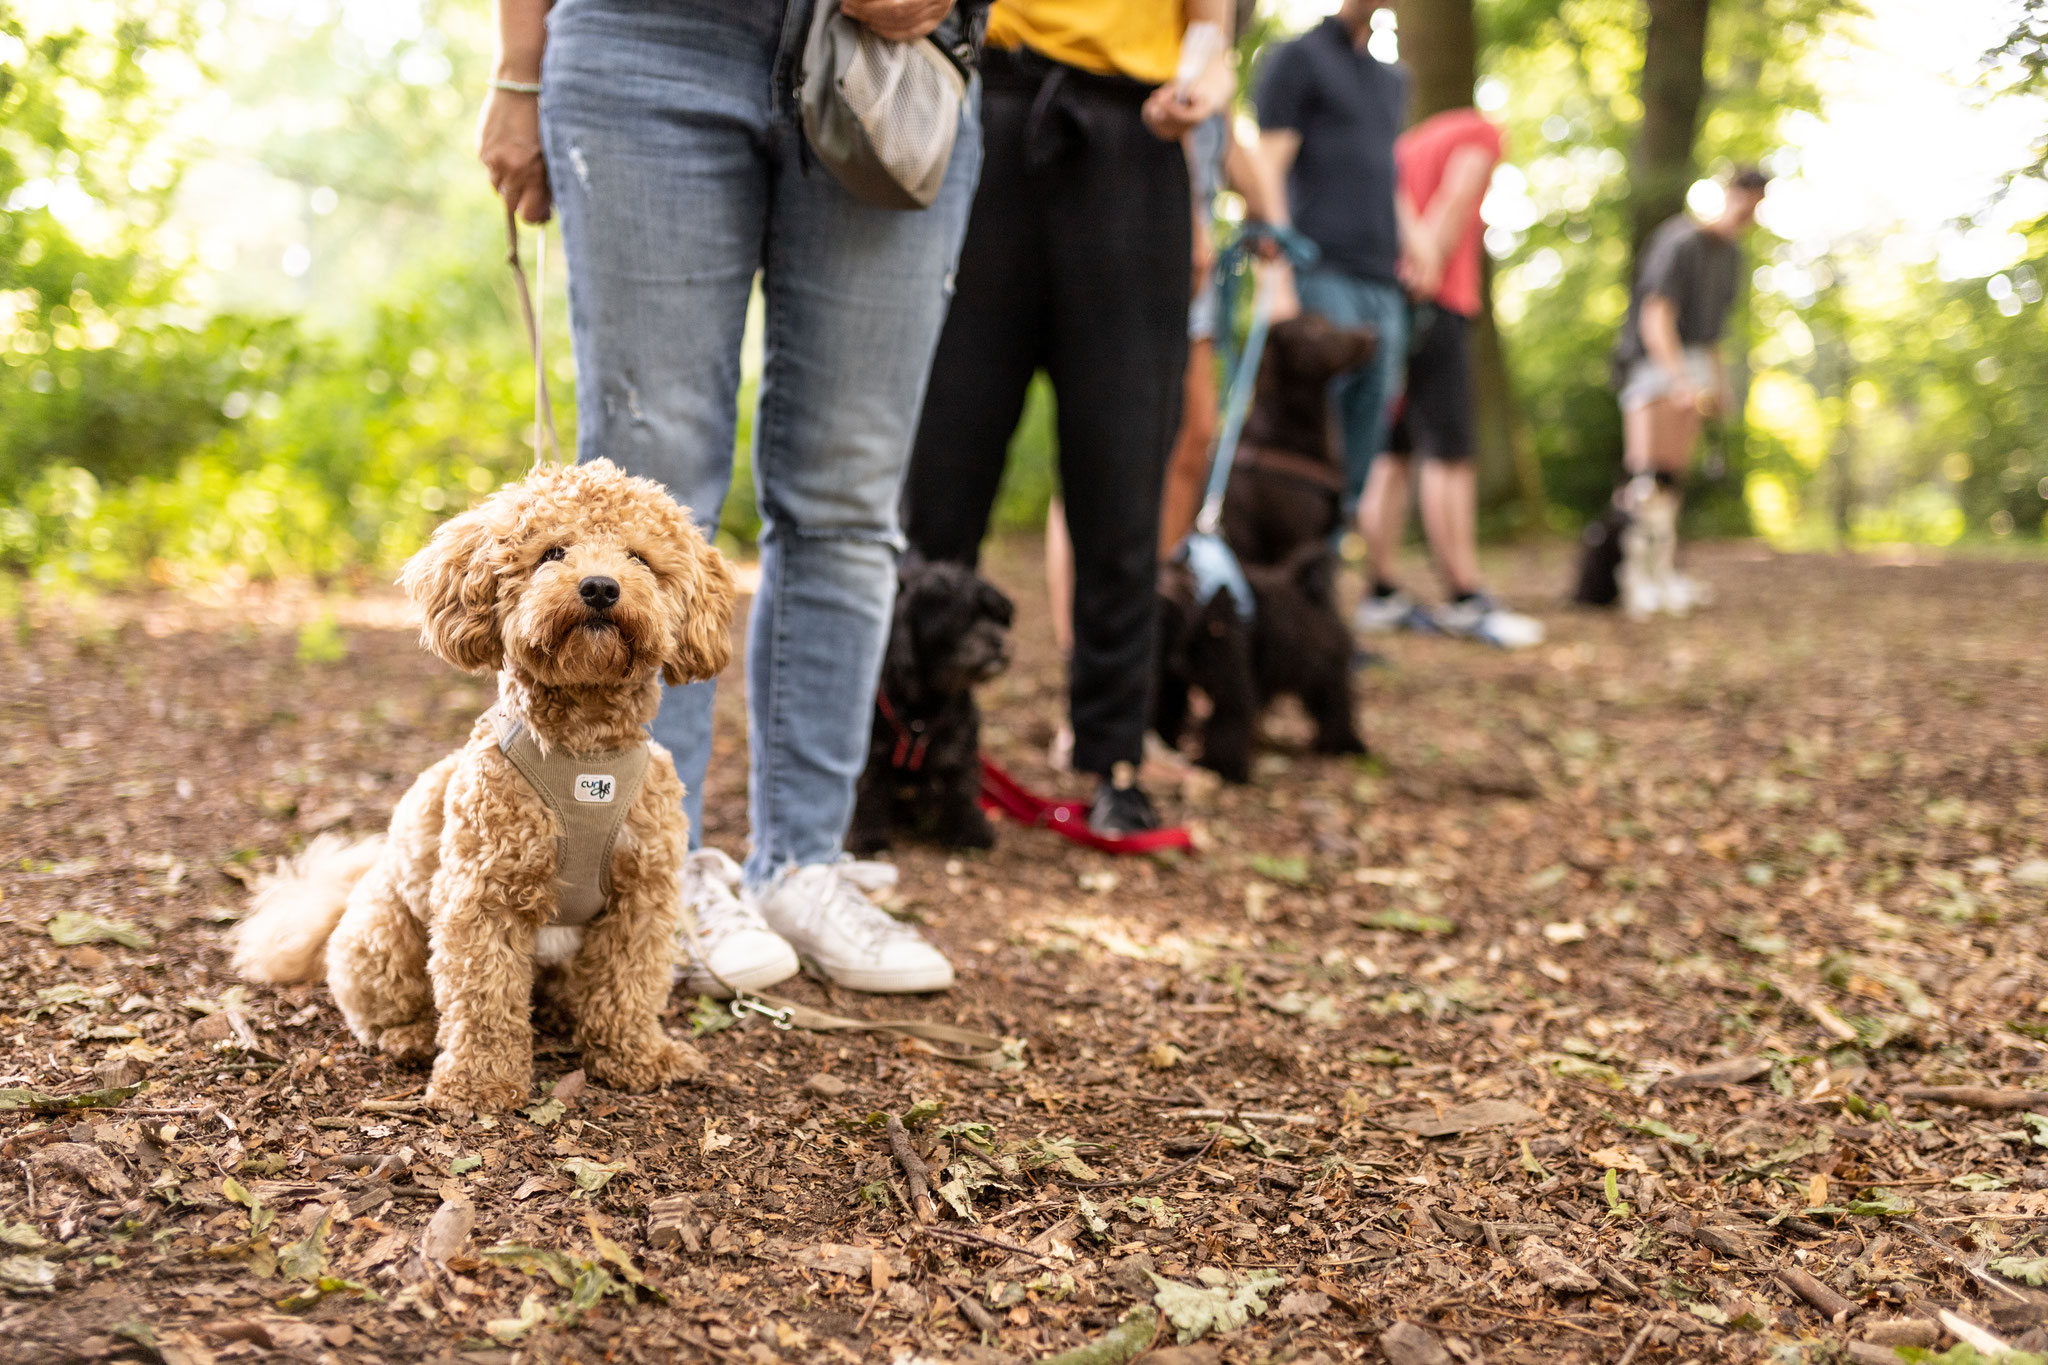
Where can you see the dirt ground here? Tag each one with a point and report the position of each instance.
(1592, 1019)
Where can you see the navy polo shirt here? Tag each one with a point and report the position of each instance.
(1348, 107)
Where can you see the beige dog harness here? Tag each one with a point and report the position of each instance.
(590, 796)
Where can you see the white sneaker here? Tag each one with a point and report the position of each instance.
(824, 912)
(1377, 615)
(1479, 617)
(731, 938)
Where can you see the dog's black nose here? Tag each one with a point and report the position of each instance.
(599, 593)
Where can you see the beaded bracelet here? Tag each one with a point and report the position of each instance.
(517, 87)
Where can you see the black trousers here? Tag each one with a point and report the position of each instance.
(1076, 262)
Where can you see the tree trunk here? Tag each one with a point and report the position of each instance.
(1440, 45)
(1674, 77)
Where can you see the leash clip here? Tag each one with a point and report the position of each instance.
(743, 1005)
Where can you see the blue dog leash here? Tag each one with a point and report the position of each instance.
(1207, 555)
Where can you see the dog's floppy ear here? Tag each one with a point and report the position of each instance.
(703, 643)
(455, 583)
(995, 603)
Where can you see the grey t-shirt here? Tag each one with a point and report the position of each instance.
(1695, 269)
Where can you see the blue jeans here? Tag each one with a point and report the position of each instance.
(1364, 397)
(674, 155)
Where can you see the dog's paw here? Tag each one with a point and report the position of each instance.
(460, 1094)
(1340, 744)
(645, 1068)
(412, 1042)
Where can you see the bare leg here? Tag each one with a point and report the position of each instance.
(1059, 591)
(1449, 498)
(1188, 467)
(1383, 514)
(1059, 575)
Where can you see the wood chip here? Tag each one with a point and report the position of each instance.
(1553, 1269)
(1406, 1344)
(1734, 1071)
(1889, 1332)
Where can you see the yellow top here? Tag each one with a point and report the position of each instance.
(1135, 38)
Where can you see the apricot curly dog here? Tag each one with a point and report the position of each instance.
(587, 589)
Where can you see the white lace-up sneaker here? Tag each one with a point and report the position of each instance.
(824, 912)
(731, 938)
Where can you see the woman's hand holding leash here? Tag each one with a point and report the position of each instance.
(508, 143)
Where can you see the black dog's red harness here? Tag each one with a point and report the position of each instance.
(911, 740)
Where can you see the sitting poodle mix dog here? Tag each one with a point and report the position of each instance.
(1296, 643)
(549, 849)
(1288, 477)
(951, 634)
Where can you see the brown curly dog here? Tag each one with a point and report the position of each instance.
(587, 589)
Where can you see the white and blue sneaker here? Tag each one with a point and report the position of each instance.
(1384, 613)
(1479, 617)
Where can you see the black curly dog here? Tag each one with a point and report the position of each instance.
(951, 633)
(1297, 643)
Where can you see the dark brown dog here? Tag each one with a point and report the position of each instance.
(1289, 475)
(1296, 643)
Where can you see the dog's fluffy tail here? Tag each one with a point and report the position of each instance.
(294, 911)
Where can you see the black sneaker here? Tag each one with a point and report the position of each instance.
(1121, 806)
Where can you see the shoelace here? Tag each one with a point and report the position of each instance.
(709, 879)
(844, 892)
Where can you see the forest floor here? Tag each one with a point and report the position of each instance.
(1591, 1019)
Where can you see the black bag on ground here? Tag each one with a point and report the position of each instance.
(1600, 560)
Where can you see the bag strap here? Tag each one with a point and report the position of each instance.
(543, 405)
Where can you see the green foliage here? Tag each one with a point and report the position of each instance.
(180, 404)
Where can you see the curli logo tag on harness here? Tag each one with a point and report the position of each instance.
(597, 787)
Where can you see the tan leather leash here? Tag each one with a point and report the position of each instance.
(983, 1050)
(543, 405)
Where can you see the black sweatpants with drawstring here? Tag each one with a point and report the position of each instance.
(1076, 262)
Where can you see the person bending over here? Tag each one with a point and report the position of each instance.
(1077, 262)
(1445, 164)
(1668, 362)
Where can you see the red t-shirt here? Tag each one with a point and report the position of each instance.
(1421, 154)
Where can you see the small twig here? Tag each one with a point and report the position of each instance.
(1153, 1179)
(1637, 1344)
(915, 1173)
(979, 1239)
(1975, 1097)
(1832, 1306)
(30, 1177)
(1298, 1120)
(970, 1308)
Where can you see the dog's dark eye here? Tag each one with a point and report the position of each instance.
(634, 555)
(557, 552)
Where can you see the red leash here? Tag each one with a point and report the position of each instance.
(1068, 819)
